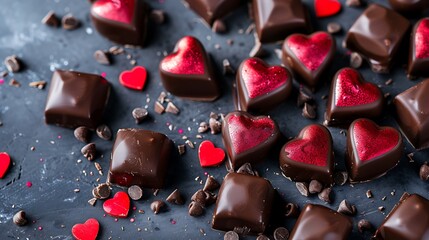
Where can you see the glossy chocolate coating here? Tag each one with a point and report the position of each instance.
(409, 6)
(276, 19)
(211, 10)
(133, 33)
(245, 203)
(377, 35)
(412, 114)
(419, 66)
(409, 220)
(76, 99)
(140, 157)
(318, 222)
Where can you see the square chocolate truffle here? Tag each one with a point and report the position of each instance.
(140, 157)
(244, 204)
(412, 114)
(409, 220)
(76, 99)
(377, 35)
(319, 222)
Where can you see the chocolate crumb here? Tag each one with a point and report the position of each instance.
(204, 127)
(89, 151)
(195, 209)
(410, 157)
(346, 208)
(231, 235)
(281, 233)
(14, 83)
(135, 192)
(292, 210)
(424, 172)
(315, 187)
(12, 63)
(389, 82)
(159, 108)
(227, 68)
(219, 26)
(161, 97)
(333, 28)
(20, 218)
(139, 114)
(157, 16)
(211, 184)
(355, 60)
(309, 111)
(325, 195)
(101, 57)
(37, 84)
(82, 134)
(51, 19)
(70, 22)
(364, 225)
(181, 148)
(381, 208)
(92, 201)
(302, 188)
(171, 108)
(353, 3)
(369, 194)
(157, 206)
(103, 131)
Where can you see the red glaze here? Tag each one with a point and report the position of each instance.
(311, 51)
(422, 39)
(118, 206)
(246, 133)
(326, 8)
(313, 148)
(261, 79)
(4, 163)
(115, 10)
(86, 231)
(210, 155)
(350, 90)
(371, 141)
(134, 79)
(187, 60)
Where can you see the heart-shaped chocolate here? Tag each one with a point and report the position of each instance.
(418, 64)
(210, 155)
(352, 97)
(326, 8)
(188, 73)
(371, 150)
(86, 231)
(134, 79)
(4, 163)
(211, 10)
(261, 87)
(308, 56)
(118, 206)
(248, 138)
(309, 156)
(121, 21)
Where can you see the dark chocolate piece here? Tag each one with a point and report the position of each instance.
(418, 64)
(308, 56)
(244, 203)
(371, 150)
(140, 157)
(377, 35)
(188, 72)
(309, 156)
(76, 99)
(319, 222)
(412, 107)
(123, 22)
(352, 97)
(409, 6)
(248, 139)
(409, 220)
(211, 10)
(261, 87)
(276, 19)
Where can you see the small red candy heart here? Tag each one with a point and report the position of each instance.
(118, 206)
(421, 40)
(87, 230)
(210, 155)
(4, 163)
(134, 79)
(326, 8)
(115, 10)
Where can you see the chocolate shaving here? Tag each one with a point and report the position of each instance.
(302, 188)
(171, 108)
(159, 108)
(38, 84)
(50, 19)
(101, 57)
(292, 210)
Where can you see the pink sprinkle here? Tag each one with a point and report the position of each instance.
(180, 131)
(116, 219)
(173, 221)
(206, 173)
(103, 74)
(40, 228)
(104, 215)
(29, 184)
(41, 160)
(134, 208)
(59, 136)
(167, 123)
(132, 220)
(1, 81)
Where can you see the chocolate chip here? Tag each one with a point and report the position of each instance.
(231, 235)
(302, 188)
(12, 63)
(20, 218)
(70, 22)
(139, 114)
(159, 108)
(315, 187)
(346, 208)
(262, 237)
(292, 210)
(175, 198)
(219, 26)
(102, 191)
(211, 184)
(364, 225)
(104, 132)
(89, 151)
(195, 209)
(182, 149)
(325, 195)
(92, 201)
(171, 108)
(51, 19)
(204, 127)
(156, 206)
(82, 134)
(281, 233)
(353, 3)
(355, 60)
(340, 178)
(157, 16)
(215, 126)
(246, 169)
(101, 57)
(369, 194)
(333, 28)
(424, 172)
(304, 96)
(135, 192)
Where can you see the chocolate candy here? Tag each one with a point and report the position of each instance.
(309, 156)
(76, 99)
(308, 56)
(352, 97)
(409, 6)
(261, 87)
(212, 10)
(276, 19)
(409, 220)
(411, 110)
(371, 150)
(377, 35)
(188, 72)
(319, 222)
(140, 157)
(418, 64)
(244, 204)
(123, 22)
(248, 138)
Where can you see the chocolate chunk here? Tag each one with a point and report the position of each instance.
(135, 192)
(247, 169)
(82, 134)
(20, 218)
(325, 195)
(12, 63)
(213, 9)
(157, 206)
(176, 198)
(302, 188)
(309, 111)
(181, 148)
(355, 60)
(346, 208)
(102, 191)
(418, 60)
(292, 210)
(51, 19)
(315, 187)
(353, 3)
(92, 201)
(211, 184)
(89, 151)
(333, 28)
(219, 26)
(139, 114)
(281, 233)
(409, 7)
(215, 126)
(204, 127)
(204, 198)
(157, 16)
(104, 132)
(195, 209)
(424, 172)
(171, 108)
(69, 22)
(101, 57)
(364, 225)
(340, 178)
(231, 235)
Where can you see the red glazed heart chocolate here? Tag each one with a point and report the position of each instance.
(309, 56)
(418, 64)
(118, 206)
(4, 163)
(352, 97)
(261, 87)
(309, 156)
(134, 79)
(86, 231)
(248, 138)
(188, 73)
(121, 21)
(209, 155)
(371, 150)
(326, 8)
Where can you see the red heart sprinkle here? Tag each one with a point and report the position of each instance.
(134, 79)
(210, 155)
(120, 11)
(87, 230)
(4, 163)
(326, 8)
(118, 206)
(422, 39)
